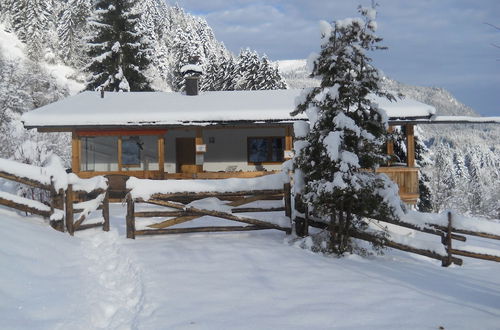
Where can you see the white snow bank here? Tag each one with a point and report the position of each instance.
(87, 185)
(27, 171)
(476, 224)
(210, 203)
(142, 188)
(25, 201)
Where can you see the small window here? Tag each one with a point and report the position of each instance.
(131, 151)
(265, 149)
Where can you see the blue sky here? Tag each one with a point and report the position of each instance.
(442, 43)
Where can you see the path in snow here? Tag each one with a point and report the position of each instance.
(115, 294)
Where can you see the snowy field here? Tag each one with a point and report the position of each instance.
(250, 280)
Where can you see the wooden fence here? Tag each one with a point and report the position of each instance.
(84, 206)
(54, 211)
(62, 206)
(182, 212)
(447, 234)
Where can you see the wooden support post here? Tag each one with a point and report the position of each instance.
(447, 242)
(287, 191)
(119, 153)
(69, 210)
(75, 152)
(306, 222)
(130, 217)
(161, 156)
(390, 144)
(57, 202)
(288, 142)
(300, 223)
(198, 142)
(105, 212)
(410, 145)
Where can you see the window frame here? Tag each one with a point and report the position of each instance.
(269, 151)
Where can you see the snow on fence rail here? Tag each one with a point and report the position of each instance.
(205, 197)
(53, 178)
(446, 225)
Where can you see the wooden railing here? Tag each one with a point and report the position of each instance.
(407, 180)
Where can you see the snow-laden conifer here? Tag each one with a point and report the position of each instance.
(347, 132)
(118, 55)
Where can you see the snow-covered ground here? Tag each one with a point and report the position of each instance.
(249, 280)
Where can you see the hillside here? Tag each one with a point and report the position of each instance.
(464, 159)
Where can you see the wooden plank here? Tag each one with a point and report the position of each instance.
(390, 143)
(150, 214)
(197, 230)
(257, 209)
(391, 244)
(120, 144)
(287, 192)
(198, 141)
(75, 152)
(179, 176)
(475, 255)
(288, 139)
(410, 145)
(130, 219)
(25, 208)
(396, 169)
(26, 181)
(263, 194)
(69, 210)
(105, 212)
(173, 222)
(118, 132)
(161, 155)
(468, 232)
(229, 216)
(247, 200)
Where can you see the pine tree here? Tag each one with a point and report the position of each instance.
(347, 134)
(248, 70)
(71, 29)
(117, 54)
(269, 76)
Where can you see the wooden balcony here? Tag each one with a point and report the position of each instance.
(407, 180)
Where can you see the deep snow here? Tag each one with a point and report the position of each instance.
(250, 280)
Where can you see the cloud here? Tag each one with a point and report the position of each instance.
(431, 42)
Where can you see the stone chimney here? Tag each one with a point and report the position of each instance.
(192, 73)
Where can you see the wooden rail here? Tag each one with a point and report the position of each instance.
(447, 234)
(184, 213)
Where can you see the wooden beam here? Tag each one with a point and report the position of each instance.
(23, 180)
(198, 230)
(118, 132)
(152, 214)
(173, 222)
(199, 141)
(390, 143)
(247, 200)
(257, 209)
(120, 154)
(24, 208)
(410, 145)
(288, 139)
(75, 152)
(161, 155)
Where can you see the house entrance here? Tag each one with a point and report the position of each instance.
(185, 155)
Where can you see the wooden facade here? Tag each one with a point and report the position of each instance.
(190, 154)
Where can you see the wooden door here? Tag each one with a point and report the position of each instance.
(185, 155)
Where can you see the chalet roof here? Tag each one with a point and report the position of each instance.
(88, 109)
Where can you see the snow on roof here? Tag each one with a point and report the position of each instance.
(160, 108)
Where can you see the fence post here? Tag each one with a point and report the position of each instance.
(57, 202)
(130, 217)
(105, 212)
(287, 190)
(447, 243)
(301, 224)
(69, 210)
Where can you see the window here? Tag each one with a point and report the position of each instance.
(131, 151)
(265, 149)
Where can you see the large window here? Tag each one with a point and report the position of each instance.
(101, 153)
(265, 149)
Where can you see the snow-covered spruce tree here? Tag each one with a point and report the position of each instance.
(248, 70)
(117, 52)
(269, 76)
(347, 133)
